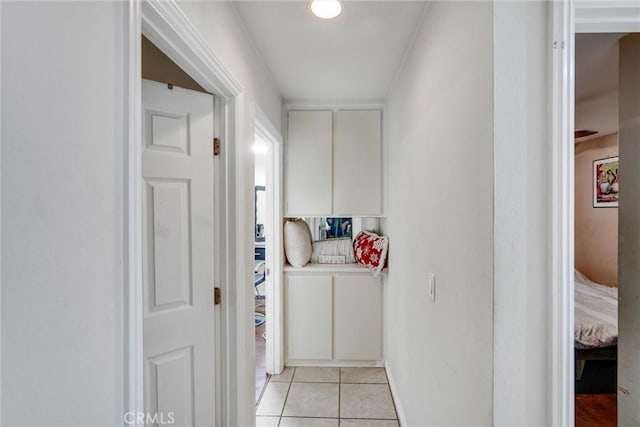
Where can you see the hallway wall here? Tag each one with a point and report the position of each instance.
(522, 365)
(440, 219)
(220, 26)
(62, 206)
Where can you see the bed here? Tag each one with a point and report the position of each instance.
(596, 322)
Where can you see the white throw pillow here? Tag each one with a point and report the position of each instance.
(333, 247)
(297, 242)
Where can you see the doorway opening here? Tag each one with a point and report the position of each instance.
(569, 21)
(164, 25)
(596, 190)
(180, 242)
(260, 150)
(267, 262)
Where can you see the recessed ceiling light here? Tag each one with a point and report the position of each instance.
(326, 9)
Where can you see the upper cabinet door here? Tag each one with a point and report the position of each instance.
(309, 163)
(357, 164)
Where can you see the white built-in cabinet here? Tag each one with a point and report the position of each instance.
(333, 313)
(308, 174)
(332, 317)
(334, 163)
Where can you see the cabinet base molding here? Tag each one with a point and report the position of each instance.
(336, 363)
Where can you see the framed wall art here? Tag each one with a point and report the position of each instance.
(606, 182)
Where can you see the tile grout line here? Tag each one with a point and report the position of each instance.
(286, 397)
(319, 417)
(339, 390)
(322, 382)
(316, 417)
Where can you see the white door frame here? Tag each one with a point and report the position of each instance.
(164, 23)
(567, 18)
(273, 291)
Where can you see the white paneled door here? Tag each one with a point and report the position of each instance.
(178, 239)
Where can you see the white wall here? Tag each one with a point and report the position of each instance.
(224, 32)
(260, 173)
(440, 219)
(522, 292)
(62, 336)
(61, 213)
(596, 229)
(599, 113)
(218, 23)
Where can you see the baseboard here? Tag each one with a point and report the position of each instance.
(402, 419)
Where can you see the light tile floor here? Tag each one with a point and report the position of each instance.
(332, 397)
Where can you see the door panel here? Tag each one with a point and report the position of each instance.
(309, 318)
(178, 221)
(357, 163)
(308, 178)
(168, 131)
(629, 232)
(169, 237)
(172, 378)
(357, 317)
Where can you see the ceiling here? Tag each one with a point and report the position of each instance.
(355, 57)
(596, 65)
(352, 58)
(596, 76)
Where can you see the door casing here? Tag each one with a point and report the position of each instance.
(274, 302)
(567, 18)
(167, 27)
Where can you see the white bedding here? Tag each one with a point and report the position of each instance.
(596, 314)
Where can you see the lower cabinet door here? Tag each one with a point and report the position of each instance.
(357, 317)
(308, 317)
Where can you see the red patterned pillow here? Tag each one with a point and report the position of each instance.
(371, 250)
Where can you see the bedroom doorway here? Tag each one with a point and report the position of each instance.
(569, 19)
(596, 190)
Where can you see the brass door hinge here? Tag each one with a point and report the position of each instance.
(216, 146)
(217, 297)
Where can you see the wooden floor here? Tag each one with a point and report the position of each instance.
(261, 358)
(596, 410)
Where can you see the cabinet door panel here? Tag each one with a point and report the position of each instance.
(309, 170)
(308, 317)
(358, 317)
(357, 163)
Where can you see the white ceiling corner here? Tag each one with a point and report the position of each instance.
(353, 58)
